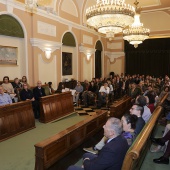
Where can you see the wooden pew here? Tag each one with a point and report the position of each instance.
(137, 152)
(51, 150)
(119, 108)
(16, 118)
(55, 106)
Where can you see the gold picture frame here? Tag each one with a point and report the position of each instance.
(8, 55)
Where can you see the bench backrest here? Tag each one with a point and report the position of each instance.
(16, 118)
(51, 150)
(136, 153)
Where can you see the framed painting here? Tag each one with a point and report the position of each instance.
(8, 55)
(66, 63)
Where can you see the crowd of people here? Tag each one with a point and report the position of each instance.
(145, 93)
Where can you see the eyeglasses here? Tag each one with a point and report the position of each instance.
(133, 108)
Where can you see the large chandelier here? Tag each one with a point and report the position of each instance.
(136, 33)
(110, 16)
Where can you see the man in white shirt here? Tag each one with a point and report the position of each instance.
(103, 92)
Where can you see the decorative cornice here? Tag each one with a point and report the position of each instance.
(113, 55)
(86, 50)
(45, 45)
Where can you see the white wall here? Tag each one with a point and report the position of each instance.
(18, 70)
(47, 71)
(87, 69)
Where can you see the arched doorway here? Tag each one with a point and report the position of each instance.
(98, 60)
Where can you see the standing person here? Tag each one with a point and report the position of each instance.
(38, 92)
(26, 94)
(4, 97)
(17, 87)
(112, 154)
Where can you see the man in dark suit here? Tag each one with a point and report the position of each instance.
(111, 156)
(38, 92)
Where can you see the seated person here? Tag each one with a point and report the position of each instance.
(27, 94)
(135, 110)
(24, 80)
(8, 88)
(52, 91)
(89, 95)
(17, 87)
(161, 141)
(4, 97)
(79, 90)
(103, 92)
(142, 101)
(112, 154)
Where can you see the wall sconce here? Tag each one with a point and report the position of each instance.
(48, 53)
(88, 56)
(87, 51)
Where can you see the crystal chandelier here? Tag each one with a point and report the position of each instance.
(136, 33)
(110, 16)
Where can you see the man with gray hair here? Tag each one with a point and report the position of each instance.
(112, 154)
(4, 97)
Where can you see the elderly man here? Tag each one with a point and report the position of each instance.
(112, 154)
(38, 92)
(4, 97)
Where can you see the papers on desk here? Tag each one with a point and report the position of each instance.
(67, 89)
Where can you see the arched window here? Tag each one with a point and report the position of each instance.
(9, 26)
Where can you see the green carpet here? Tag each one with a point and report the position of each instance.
(18, 153)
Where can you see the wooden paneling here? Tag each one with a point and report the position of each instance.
(120, 107)
(51, 150)
(16, 118)
(55, 106)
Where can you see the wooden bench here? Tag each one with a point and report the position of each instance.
(51, 150)
(119, 108)
(137, 152)
(16, 118)
(55, 106)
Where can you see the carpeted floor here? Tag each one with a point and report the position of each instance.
(17, 153)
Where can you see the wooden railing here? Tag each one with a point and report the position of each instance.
(55, 106)
(119, 108)
(51, 150)
(16, 118)
(137, 152)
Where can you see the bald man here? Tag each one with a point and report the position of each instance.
(38, 92)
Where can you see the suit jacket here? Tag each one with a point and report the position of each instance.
(110, 157)
(38, 93)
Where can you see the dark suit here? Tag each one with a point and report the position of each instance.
(110, 157)
(38, 93)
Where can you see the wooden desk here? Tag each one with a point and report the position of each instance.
(55, 106)
(51, 150)
(119, 108)
(16, 118)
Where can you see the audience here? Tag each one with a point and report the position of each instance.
(4, 97)
(111, 156)
(24, 80)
